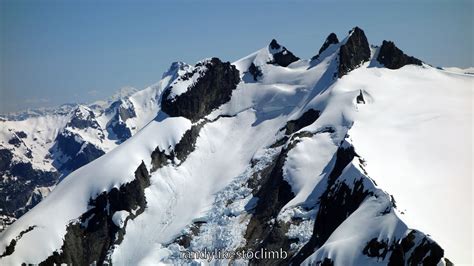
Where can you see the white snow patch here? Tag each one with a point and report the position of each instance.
(416, 137)
(119, 218)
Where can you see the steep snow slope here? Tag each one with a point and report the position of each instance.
(286, 163)
(70, 198)
(422, 125)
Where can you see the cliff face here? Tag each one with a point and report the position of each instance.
(392, 57)
(354, 52)
(213, 88)
(91, 239)
(281, 56)
(331, 39)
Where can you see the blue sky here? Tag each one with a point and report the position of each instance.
(54, 52)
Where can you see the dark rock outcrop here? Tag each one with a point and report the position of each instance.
(24, 171)
(273, 192)
(160, 158)
(339, 201)
(26, 180)
(306, 119)
(83, 118)
(120, 130)
(211, 90)
(354, 52)
(90, 240)
(11, 247)
(292, 126)
(376, 249)
(331, 39)
(126, 112)
(255, 71)
(77, 153)
(408, 251)
(15, 141)
(21, 134)
(6, 157)
(281, 56)
(360, 98)
(274, 45)
(123, 110)
(326, 262)
(336, 203)
(187, 143)
(185, 239)
(392, 57)
(414, 249)
(182, 149)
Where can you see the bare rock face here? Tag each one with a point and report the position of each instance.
(416, 249)
(306, 119)
(331, 39)
(21, 180)
(255, 71)
(182, 149)
(360, 98)
(122, 109)
(273, 194)
(76, 150)
(354, 52)
(413, 249)
(281, 56)
(392, 57)
(336, 204)
(211, 90)
(90, 240)
(6, 157)
(83, 117)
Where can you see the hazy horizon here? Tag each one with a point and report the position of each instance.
(56, 52)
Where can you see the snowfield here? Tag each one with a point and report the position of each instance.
(413, 135)
(422, 125)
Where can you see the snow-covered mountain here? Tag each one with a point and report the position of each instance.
(38, 148)
(359, 156)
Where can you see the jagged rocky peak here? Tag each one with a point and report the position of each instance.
(74, 150)
(82, 117)
(281, 56)
(331, 39)
(353, 52)
(124, 109)
(392, 57)
(82, 111)
(175, 68)
(197, 92)
(274, 45)
(71, 150)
